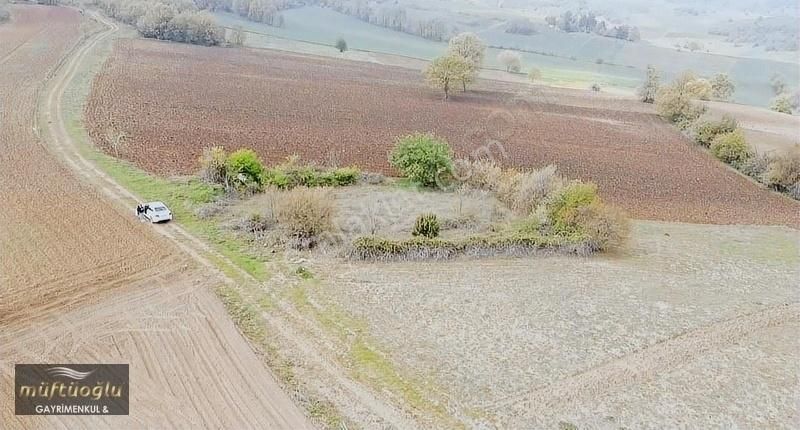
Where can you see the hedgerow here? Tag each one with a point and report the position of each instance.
(371, 248)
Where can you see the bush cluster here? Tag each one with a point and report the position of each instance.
(294, 174)
(550, 204)
(731, 148)
(243, 171)
(706, 131)
(423, 158)
(576, 212)
(521, 191)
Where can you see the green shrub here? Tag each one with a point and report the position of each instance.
(731, 148)
(562, 209)
(293, 174)
(423, 158)
(244, 168)
(341, 177)
(577, 213)
(427, 225)
(706, 131)
(306, 213)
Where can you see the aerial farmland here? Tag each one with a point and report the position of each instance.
(364, 238)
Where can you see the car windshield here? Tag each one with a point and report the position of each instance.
(160, 208)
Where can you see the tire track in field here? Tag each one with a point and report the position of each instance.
(649, 362)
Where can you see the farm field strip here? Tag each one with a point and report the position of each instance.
(340, 112)
(106, 289)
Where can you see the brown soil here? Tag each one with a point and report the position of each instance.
(180, 99)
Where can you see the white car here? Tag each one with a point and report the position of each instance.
(156, 212)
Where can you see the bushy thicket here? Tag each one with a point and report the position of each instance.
(175, 20)
(783, 172)
(676, 102)
(293, 173)
(577, 212)
(706, 131)
(731, 148)
(423, 158)
(243, 171)
(549, 204)
(306, 213)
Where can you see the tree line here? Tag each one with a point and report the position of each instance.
(176, 20)
(589, 22)
(393, 17)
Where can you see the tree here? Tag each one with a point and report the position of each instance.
(649, 89)
(534, 74)
(782, 104)
(674, 102)
(446, 70)
(722, 87)
(341, 44)
(471, 48)
(511, 60)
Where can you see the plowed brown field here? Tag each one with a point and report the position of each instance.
(82, 281)
(174, 100)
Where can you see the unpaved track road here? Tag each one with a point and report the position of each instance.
(106, 289)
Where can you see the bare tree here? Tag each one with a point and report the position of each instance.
(511, 60)
(116, 139)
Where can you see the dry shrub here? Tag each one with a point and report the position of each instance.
(480, 174)
(213, 166)
(520, 191)
(307, 213)
(783, 171)
(756, 166)
(533, 187)
(605, 227)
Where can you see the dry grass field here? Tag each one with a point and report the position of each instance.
(344, 112)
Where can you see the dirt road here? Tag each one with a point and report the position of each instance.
(81, 281)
